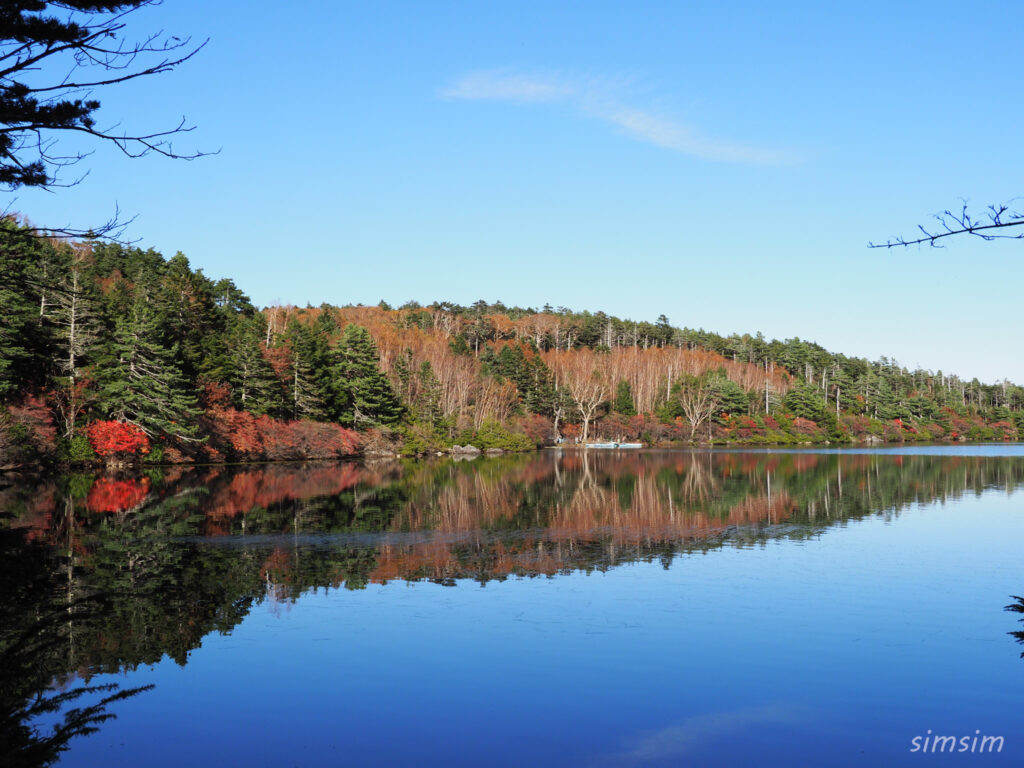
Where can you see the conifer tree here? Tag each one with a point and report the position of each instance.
(403, 371)
(623, 402)
(370, 399)
(304, 395)
(141, 381)
(25, 341)
(254, 387)
(428, 400)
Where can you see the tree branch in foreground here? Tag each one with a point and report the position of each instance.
(990, 225)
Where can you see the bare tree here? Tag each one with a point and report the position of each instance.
(54, 57)
(698, 397)
(75, 318)
(989, 225)
(586, 375)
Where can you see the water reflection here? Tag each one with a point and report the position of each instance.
(1017, 607)
(486, 519)
(39, 681)
(104, 574)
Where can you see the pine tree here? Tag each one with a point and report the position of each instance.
(731, 397)
(403, 371)
(25, 338)
(428, 400)
(305, 398)
(141, 381)
(623, 402)
(370, 399)
(806, 402)
(254, 387)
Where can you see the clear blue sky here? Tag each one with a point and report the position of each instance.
(724, 164)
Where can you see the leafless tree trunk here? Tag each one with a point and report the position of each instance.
(698, 399)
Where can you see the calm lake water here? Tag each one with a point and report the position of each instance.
(559, 609)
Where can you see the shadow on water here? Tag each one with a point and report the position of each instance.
(103, 574)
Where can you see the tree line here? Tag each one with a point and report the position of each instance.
(108, 350)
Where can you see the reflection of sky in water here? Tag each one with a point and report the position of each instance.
(832, 651)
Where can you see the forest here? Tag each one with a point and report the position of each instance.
(110, 353)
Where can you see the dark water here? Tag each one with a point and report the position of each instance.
(643, 609)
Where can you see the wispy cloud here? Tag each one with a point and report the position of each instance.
(499, 86)
(605, 101)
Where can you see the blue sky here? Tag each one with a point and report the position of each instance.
(724, 164)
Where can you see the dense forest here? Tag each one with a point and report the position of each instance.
(111, 352)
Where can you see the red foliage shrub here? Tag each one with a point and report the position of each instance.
(571, 431)
(806, 427)
(31, 429)
(306, 439)
(173, 456)
(113, 438)
(234, 433)
(614, 426)
(678, 430)
(536, 427)
(215, 394)
(858, 427)
(108, 495)
(1004, 430)
(892, 432)
(241, 435)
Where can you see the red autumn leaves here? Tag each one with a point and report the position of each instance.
(114, 438)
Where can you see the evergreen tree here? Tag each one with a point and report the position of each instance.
(731, 397)
(806, 402)
(25, 340)
(254, 387)
(623, 402)
(305, 398)
(141, 380)
(403, 370)
(369, 398)
(428, 399)
(525, 369)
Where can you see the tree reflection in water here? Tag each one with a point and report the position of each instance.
(1017, 607)
(41, 708)
(102, 574)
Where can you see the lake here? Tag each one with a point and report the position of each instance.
(644, 608)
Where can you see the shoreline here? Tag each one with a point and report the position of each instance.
(463, 455)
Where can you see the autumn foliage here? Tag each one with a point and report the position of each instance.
(117, 438)
(244, 436)
(27, 431)
(110, 495)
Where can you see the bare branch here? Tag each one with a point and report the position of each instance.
(50, 67)
(990, 226)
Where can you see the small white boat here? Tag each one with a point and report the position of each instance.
(612, 446)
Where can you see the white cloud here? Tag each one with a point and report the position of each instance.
(601, 100)
(499, 86)
(650, 127)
